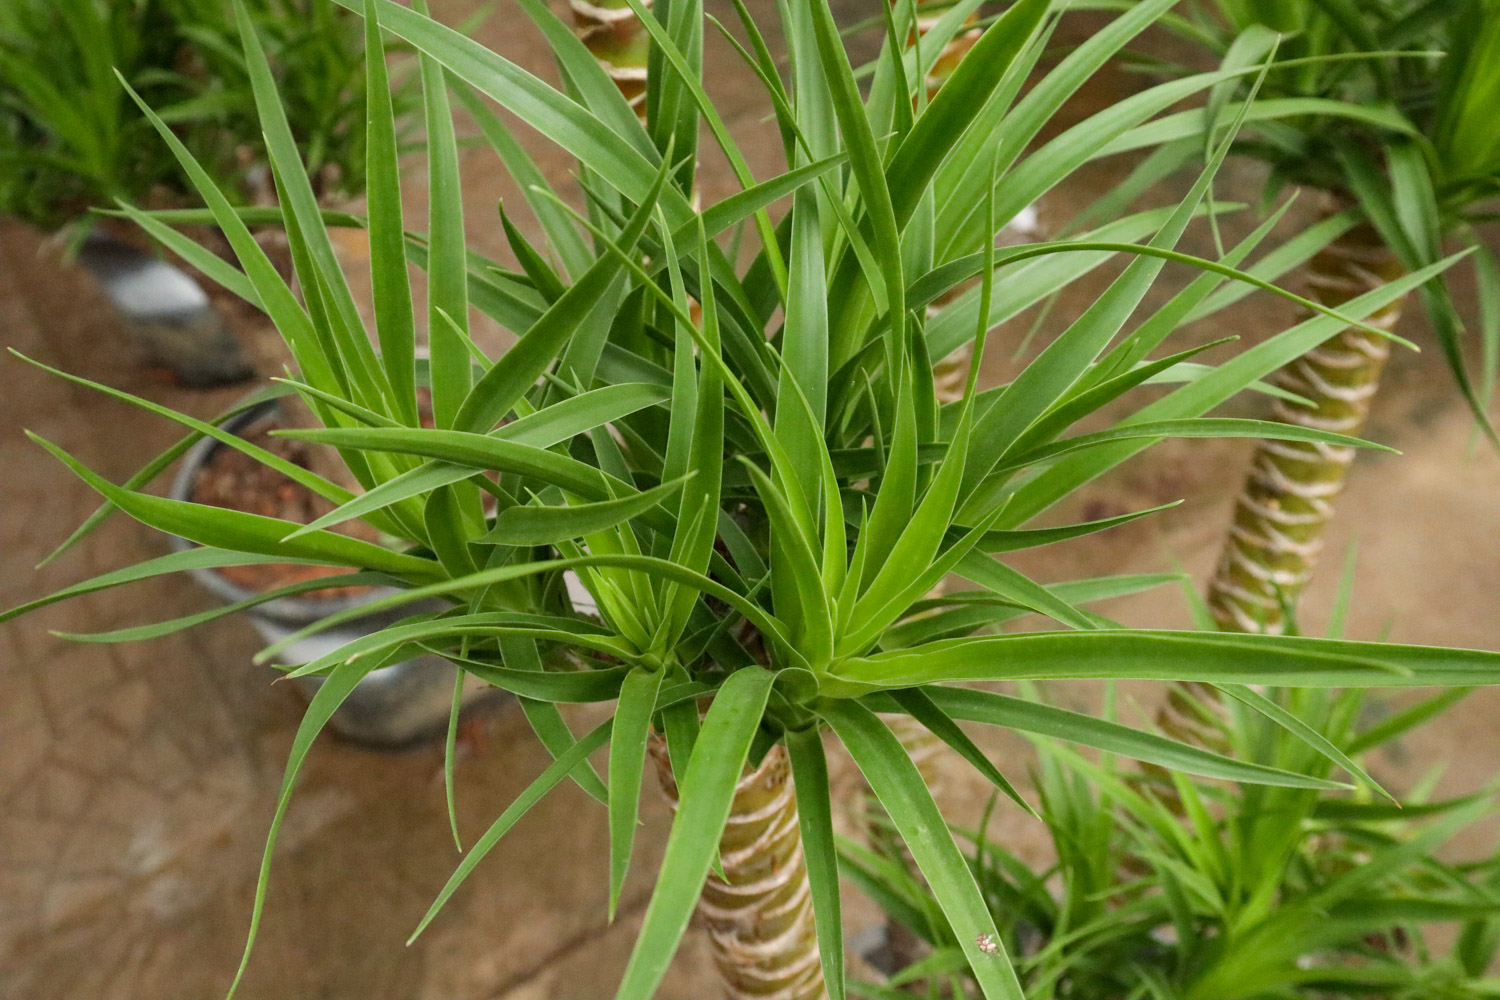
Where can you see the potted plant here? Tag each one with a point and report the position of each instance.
(1259, 892)
(756, 490)
(72, 142)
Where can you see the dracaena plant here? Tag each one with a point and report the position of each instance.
(1382, 105)
(1262, 892)
(1204, 890)
(743, 463)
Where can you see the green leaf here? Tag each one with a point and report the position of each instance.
(919, 705)
(1029, 716)
(253, 533)
(537, 525)
(453, 629)
(564, 121)
(570, 247)
(348, 345)
(767, 625)
(271, 293)
(697, 521)
(899, 786)
(1302, 731)
(995, 576)
(330, 695)
(447, 267)
(552, 687)
(815, 819)
(958, 101)
(868, 170)
(1010, 541)
(518, 369)
(395, 323)
(176, 562)
(627, 761)
(799, 562)
(1193, 427)
(1202, 394)
(1408, 719)
(544, 718)
(158, 629)
(543, 278)
(419, 482)
(704, 800)
(1145, 654)
(298, 474)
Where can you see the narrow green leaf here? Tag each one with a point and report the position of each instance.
(545, 719)
(1302, 731)
(1146, 654)
(627, 762)
(1010, 541)
(962, 96)
(1028, 716)
(450, 751)
(518, 369)
(175, 562)
(253, 533)
(1408, 719)
(304, 225)
(815, 819)
(704, 801)
(903, 794)
(395, 323)
(447, 266)
(271, 293)
(919, 705)
(539, 525)
(158, 629)
(768, 626)
(868, 170)
(330, 695)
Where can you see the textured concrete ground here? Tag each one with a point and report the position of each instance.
(136, 782)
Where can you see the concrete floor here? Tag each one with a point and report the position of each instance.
(136, 782)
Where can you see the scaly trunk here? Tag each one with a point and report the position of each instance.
(614, 35)
(759, 916)
(1277, 531)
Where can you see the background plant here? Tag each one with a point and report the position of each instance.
(1202, 889)
(1262, 892)
(71, 139)
(756, 492)
(1413, 168)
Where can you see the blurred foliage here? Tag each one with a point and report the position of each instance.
(71, 138)
(1177, 888)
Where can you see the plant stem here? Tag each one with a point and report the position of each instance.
(1287, 499)
(616, 38)
(1288, 496)
(759, 915)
